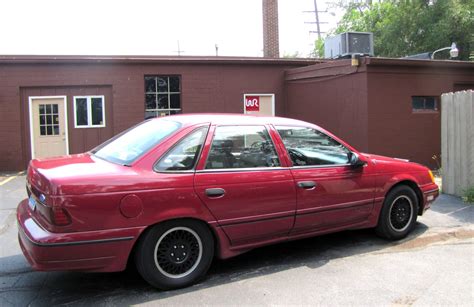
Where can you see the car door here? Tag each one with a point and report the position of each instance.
(331, 193)
(242, 181)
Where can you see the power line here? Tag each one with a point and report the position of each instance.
(316, 18)
(179, 51)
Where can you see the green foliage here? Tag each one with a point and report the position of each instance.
(409, 27)
(319, 48)
(469, 195)
(293, 55)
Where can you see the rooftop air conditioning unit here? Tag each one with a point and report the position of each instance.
(348, 43)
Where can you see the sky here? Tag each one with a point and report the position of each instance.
(146, 27)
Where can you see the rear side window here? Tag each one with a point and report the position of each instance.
(183, 156)
(307, 146)
(242, 147)
(135, 142)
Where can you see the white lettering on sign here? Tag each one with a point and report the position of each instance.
(252, 103)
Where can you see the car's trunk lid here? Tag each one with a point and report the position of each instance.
(68, 175)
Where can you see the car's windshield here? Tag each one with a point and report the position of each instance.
(128, 146)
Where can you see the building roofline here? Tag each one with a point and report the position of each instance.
(136, 59)
(343, 67)
(426, 63)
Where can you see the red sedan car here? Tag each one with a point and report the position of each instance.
(172, 193)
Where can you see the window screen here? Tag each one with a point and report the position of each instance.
(162, 96)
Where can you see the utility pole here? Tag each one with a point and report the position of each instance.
(318, 25)
(316, 15)
(217, 50)
(316, 18)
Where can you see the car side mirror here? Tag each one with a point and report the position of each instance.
(355, 161)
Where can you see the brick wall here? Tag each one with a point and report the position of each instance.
(205, 88)
(271, 48)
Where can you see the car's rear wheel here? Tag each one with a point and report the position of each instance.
(399, 213)
(175, 254)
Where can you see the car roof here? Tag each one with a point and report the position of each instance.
(234, 119)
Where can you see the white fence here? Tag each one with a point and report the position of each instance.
(457, 141)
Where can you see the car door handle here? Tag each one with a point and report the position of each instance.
(308, 185)
(215, 192)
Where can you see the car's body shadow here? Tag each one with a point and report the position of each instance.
(126, 288)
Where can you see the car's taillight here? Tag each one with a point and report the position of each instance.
(59, 216)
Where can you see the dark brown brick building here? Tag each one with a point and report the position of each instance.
(69, 104)
(384, 106)
(95, 98)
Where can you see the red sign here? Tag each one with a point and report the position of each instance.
(252, 103)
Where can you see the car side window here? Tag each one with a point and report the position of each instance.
(183, 156)
(242, 147)
(307, 146)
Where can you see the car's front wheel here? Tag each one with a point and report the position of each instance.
(399, 213)
(175, 254)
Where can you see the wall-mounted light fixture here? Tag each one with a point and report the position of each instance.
(453, 51)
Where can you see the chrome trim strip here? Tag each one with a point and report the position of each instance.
(340, 206)
(79, 260)
(377, 199)
(190, 171)
(59, 244)
(256, 169)
(430, 191)
(258, 218)
(246, 169)
(263, 219)
(319, 166)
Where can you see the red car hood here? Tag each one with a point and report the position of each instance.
(385, 164)
(77, 174)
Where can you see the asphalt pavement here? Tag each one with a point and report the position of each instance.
(434, 266)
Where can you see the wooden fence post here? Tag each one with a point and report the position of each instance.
(457, 141)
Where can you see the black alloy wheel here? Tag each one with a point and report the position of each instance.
(175, 254)
(399, 212)
(178, 252)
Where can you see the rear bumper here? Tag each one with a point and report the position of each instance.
(430, 193)
(98, 251)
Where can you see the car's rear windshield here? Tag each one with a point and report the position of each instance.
(128, 146)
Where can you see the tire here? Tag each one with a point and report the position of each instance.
(399, 213)
(175, 254)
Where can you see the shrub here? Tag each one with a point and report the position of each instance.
(469, 195)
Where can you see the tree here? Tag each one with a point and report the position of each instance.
(409, 27)
(293, 55)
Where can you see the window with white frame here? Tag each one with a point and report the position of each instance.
(89, 111)
(162, 96)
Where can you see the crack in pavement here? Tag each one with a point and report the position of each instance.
(39, 291)
(15, 273)
(9, 220)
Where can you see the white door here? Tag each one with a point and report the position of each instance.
(48, 126)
